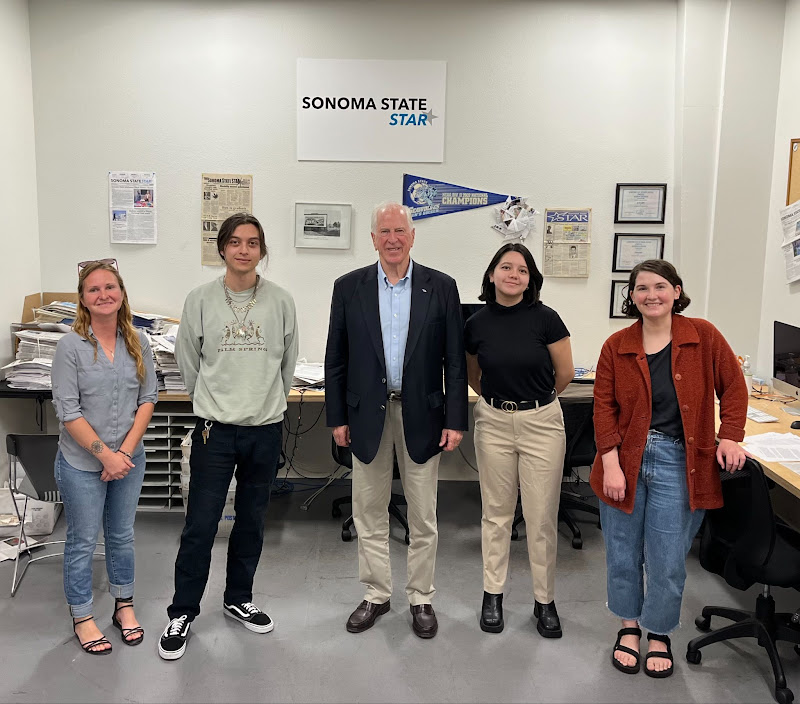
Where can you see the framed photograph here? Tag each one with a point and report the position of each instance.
(640, 203)
(322, 225)
(633, 249)
(619, 292)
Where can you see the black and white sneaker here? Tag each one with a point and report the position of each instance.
(250, 616)
(173, 640)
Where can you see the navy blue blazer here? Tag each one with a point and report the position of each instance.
(355, 369)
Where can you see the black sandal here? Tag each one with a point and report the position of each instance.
(658, 654)
(87, 647)
(627, 669)
(126, 604)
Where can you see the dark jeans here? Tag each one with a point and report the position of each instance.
(254, 451)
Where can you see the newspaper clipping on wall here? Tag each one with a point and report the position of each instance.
(132, 207)
(567, 242)
(790, 223)
(222, 195)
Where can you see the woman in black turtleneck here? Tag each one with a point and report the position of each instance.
(518, 358)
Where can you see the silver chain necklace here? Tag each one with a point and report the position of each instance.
(240, 329)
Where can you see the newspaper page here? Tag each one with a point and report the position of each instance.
(567, 242)
(223, 195)
(132, 207)
(790, 224)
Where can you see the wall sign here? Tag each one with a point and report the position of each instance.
(370, 110)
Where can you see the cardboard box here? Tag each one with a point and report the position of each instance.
(36, 300)
(39, 520)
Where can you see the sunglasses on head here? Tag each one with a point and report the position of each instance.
(83, 265)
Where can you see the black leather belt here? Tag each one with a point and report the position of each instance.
(514, 406)
(395, 396)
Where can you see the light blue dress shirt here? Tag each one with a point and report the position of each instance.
(107, 394)
(395, 308)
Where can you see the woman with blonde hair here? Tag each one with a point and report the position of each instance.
(104, 392)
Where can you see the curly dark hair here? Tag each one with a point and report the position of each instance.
(664, 269)
(531, 294)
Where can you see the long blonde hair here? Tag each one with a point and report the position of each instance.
(124, 318)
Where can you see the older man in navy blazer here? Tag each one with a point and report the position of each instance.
(395, 330)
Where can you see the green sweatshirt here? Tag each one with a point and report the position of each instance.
(238, 366)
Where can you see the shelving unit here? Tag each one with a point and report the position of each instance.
(161, 488)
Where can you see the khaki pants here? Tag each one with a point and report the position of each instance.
(372, 489)
(525, 451)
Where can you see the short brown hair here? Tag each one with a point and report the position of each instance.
(228, 227)
(665, 270)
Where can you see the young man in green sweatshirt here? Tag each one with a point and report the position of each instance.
(236, 349)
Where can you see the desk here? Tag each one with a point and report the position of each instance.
(786, 478)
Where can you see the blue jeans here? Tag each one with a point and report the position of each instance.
(254, 451)
(88, 504)
(656, 536)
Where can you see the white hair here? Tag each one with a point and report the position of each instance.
(382, 207)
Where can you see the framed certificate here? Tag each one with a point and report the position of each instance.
(619, 292)
(631, 249)
(640, 203)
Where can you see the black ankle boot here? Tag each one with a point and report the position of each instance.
(492, 613)
(548, 623)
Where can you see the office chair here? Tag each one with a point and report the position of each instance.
(344, 457)
(743, 543)
(36, 454)
(580, 452)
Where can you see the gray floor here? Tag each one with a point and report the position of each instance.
(307, 582)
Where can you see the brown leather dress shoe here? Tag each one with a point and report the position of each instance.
(365, 615)
(423, 621)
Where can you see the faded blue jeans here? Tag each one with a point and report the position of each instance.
(88, 504)
(653, 540)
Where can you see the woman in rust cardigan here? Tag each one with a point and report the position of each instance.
(656, 468)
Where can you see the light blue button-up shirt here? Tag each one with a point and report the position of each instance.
(395, 308)
(107, 394)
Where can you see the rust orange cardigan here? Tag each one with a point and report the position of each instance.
(702, 363)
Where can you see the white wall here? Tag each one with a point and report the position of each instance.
(746, 139)
(556, 101)
(19, 265)
(781, 301)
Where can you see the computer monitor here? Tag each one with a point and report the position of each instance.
(786, 359)
(468, 309)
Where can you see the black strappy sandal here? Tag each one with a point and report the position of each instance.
(87, 647)
(126, 604)
(627, 669)
(657, 654)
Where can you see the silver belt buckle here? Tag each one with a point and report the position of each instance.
(395, 396)
(509, 406)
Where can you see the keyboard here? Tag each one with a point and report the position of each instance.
(760, 416)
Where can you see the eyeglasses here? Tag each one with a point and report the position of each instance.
(110, 262)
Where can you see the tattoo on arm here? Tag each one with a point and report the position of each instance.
(96, 447)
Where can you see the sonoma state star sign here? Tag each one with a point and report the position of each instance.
(370, 110)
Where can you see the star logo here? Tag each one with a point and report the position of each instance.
(431, 117)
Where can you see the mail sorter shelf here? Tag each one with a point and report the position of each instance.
(161, 489)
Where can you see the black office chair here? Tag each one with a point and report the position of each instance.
(344, 457)
(36, 454)
(745, 544)
(580, 452)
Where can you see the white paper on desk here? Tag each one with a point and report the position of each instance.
(793, 466)
(774, 447)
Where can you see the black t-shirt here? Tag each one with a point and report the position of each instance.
(511, 344)
(666, 416)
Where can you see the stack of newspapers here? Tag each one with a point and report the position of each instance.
(169, 376)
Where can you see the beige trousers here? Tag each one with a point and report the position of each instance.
(520, 451)
(372, 489)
